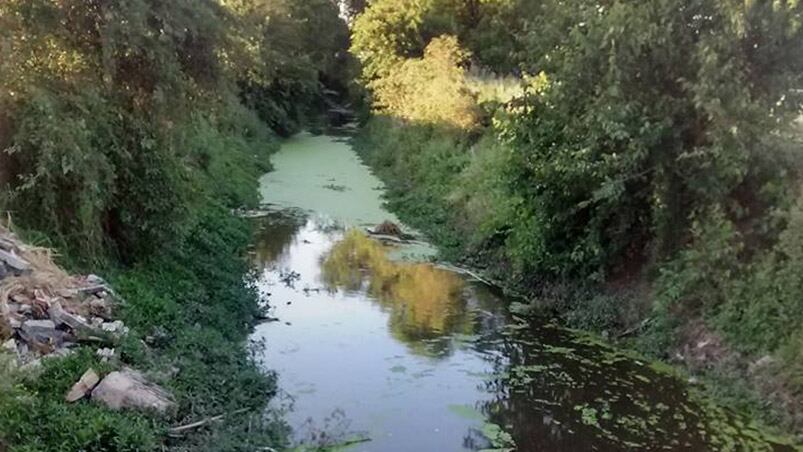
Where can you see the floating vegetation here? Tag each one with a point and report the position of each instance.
(500, 440)
(335, 187)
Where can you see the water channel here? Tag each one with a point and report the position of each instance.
(378, 349)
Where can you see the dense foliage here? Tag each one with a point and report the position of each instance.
(646, 168)
(187, 308)
(118, 116)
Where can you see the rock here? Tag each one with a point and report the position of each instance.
(14, 263)
(116, 328)
(96, 286)
(78, 324)
(100, 308)
(95, 280)
(61, 317)
(388, 228)
(41, 335)
(3, 270)
(21, 299)
(128, 389)
(92, 290)
(15, 322)
(105, 354)
(7, 244)
(10, 346)
(83, 387)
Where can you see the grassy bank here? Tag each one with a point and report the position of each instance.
(189, 308)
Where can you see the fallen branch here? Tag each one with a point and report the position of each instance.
(466, 271)
(635, 329)
(183, 428)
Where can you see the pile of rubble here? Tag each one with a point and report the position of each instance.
(45, 311)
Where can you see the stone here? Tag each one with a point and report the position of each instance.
(6, 244)
(95, 280)
(128, 389)
(117, 328)
(43, 328)
(388, 228)
(105, 354)
(100, 308)
(15, 322)
(83, 387)
(10, 346)
(61, 317)
(20, 298)
(14, 263)
(3, 270)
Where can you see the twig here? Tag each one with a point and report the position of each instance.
(183, 428)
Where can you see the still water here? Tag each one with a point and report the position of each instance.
(378, 350)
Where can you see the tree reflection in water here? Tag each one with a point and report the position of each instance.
(426, 304)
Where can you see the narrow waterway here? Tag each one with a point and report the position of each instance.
(378, 350)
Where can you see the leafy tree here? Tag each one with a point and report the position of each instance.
(655, 111)
(432, 89)
(104, 102)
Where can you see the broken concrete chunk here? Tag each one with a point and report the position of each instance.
(15, 263)
(83, 387)
(10, 346)
(39, 328)
(15, 322)
(128, 389)
(105, 354)
(116, 328)
(100, 308)
(95, 280)
(62, 317)
(7, 245)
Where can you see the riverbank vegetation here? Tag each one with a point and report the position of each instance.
(632, 166)
(129, 131)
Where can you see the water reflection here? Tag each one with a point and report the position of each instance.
(416, 359)
(273, 236)
(364, 341)
(424, 302)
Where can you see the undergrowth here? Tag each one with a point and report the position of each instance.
(189, 309)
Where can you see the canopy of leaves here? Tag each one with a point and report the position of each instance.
(119, 116)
